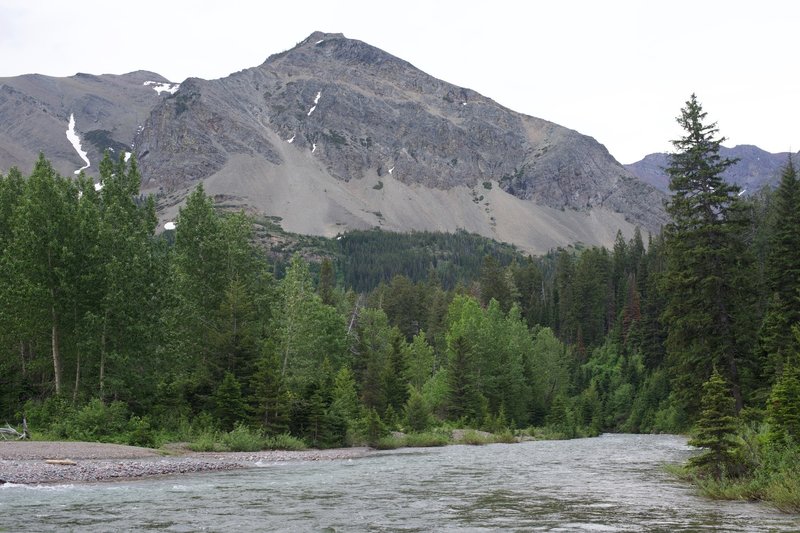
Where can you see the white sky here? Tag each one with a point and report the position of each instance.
(618, 70)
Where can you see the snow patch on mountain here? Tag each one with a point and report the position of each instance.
(73, 138)
(161, 87)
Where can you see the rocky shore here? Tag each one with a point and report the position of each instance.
(26, 462)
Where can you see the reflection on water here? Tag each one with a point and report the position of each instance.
(611, 483)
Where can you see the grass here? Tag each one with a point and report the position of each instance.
(243, 439)
(205, 442)
(284, 441)
(434, 438)
(476, 438)
(774, 478)
(427, 439)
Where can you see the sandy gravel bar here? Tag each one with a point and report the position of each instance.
(24, 462)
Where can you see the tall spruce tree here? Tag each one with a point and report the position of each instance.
(776, 341)
(704, 278)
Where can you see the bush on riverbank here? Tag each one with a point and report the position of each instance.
(244, 439)
(763, 471)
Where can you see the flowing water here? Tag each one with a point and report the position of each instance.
(610, 483)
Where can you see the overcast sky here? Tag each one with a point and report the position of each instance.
(616, 70)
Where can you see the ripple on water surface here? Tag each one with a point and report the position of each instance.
(610, 483)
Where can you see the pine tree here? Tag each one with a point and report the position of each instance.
(270, 401)
(229, 407)
(716, 428)
(396, 386)
(417, 413)
(465, 398)
(706, 274)
(418, 361)
(494, 284)
(783, 407)
(783, 260)
(327, 282)
(776, 341)
(345, 397)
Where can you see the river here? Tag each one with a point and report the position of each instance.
(609, 483)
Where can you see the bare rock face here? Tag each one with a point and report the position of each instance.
(109, 110)
(362, 111)
(336, 134)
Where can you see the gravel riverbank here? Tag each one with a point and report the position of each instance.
(24, 462)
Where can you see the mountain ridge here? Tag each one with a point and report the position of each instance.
(755, 169)
(335, 134)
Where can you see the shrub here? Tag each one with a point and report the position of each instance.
(390, 442)
(476, 438)
(205, 442)
(427, 439)
(505, 436)
(140, 432)
(284, 441)
(243, 439)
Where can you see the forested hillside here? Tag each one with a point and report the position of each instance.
(108, 331)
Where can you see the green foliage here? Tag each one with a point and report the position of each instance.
(284, 441)
(770, 475)
(367, 258)
(427, 439)
(783, 407)
(389, 442)
(476, 438)
(96, 421)
(418, 361)
(206, 442)
(782, 273)
(417, 413)
(707, 279)
(716, 429)
(243, 439)
(228, 403)
(373, 427)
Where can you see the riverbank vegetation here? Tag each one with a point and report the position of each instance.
(204, 334)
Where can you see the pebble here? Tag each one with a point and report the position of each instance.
(91, 470)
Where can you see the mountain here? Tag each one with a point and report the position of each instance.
(108, 111)
(756, 168)
(336, 134)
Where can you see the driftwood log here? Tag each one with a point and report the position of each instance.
(10, 432)
(63, 462)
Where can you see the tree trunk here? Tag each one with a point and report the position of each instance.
(56, 346)
(22, 358)
(77, 379)
(103, 357)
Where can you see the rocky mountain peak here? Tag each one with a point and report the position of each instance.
(335, 133)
